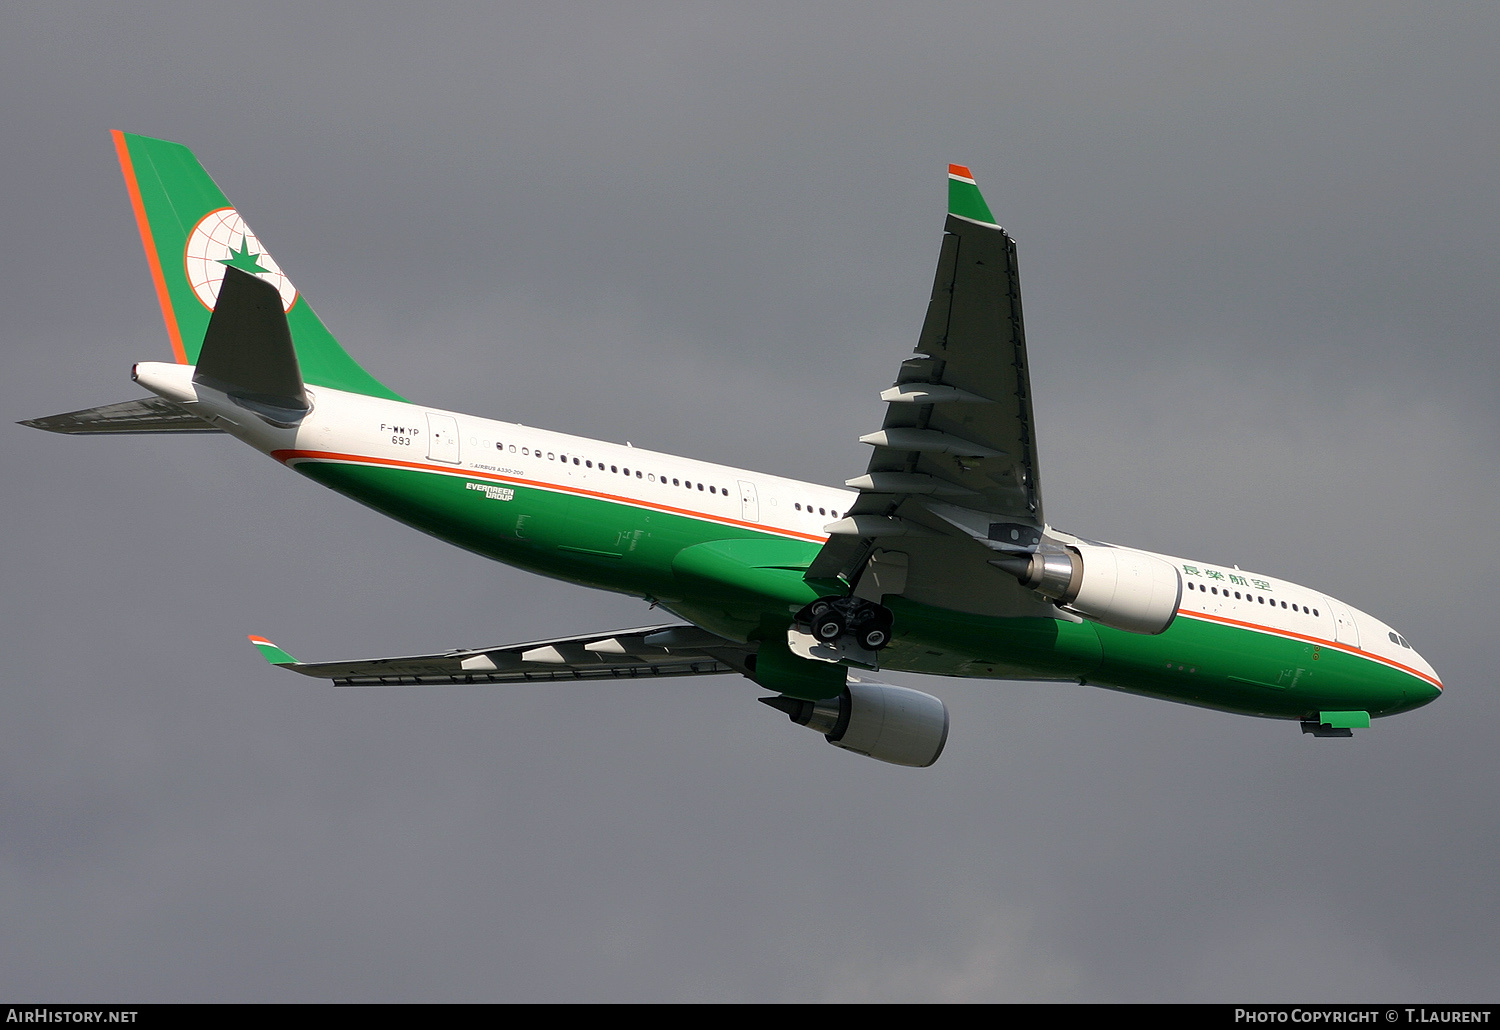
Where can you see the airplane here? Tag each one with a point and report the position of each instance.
(937, 559)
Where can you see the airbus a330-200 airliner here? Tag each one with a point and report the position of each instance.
(937, 559)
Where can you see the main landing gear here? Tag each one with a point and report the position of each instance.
(839, 620)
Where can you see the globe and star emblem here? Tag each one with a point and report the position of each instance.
(221, 238)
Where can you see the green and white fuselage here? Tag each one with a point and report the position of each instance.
(937, 560)
(623, 518)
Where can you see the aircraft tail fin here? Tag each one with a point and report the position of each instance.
(193, 237)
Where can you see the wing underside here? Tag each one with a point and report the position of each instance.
(954, 466)
(642, 653)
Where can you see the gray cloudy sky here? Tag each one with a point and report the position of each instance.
(1256, 248)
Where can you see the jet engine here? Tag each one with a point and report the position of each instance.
(891, 724)
(1113, 586)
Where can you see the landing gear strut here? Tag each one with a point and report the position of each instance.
(832, 620)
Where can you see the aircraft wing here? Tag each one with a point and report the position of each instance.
(641, 653)
(954, 467)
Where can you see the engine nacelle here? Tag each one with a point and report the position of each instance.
(892, 724)
(1113, 586)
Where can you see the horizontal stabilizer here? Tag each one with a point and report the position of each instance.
(147, 415)
(247, 351)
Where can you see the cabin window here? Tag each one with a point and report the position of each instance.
(638, 473)
(700, 486)
(614, 468)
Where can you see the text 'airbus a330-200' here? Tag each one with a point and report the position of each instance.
(937, 559)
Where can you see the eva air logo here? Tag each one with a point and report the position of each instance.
(220, 240)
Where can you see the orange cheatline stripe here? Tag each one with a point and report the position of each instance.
(1361, 652)
(149, 242)
(960, 171)
(290, 455)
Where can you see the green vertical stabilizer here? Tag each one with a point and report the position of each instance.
(191, 235)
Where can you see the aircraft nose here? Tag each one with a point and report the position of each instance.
(1431, 687)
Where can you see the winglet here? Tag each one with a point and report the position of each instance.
(270, 652)
(964, 198)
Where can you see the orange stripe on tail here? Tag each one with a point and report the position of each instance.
(149, 242)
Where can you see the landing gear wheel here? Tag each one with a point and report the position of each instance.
(828, 626)
(870, 626)
(847, 622)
